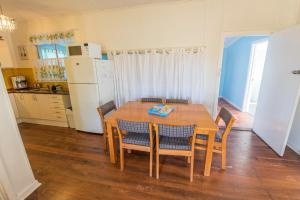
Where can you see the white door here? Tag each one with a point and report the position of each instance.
(80, 69)
(85, 101)
(279, 93)
(258, 57)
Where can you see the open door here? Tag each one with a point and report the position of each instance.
(280, 89)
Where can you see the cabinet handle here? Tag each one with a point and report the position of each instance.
(34, 98)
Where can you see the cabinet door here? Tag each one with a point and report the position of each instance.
(14, 105)
(32, 106)
(20, 102)
(27, 105)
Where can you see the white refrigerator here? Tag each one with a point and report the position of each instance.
(91, 84)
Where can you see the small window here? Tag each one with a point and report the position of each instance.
(50, 51)
(50, 65)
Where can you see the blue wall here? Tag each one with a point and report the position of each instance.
(235, 70)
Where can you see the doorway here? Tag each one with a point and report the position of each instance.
(257, 61)
(242, 68)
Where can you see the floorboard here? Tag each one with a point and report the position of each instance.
(73, 166)
(244, 120)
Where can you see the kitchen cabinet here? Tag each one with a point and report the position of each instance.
(52, 107)
(14, 105)
(46, 109)
(27, 105)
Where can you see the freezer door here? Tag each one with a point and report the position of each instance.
(85, 100)
(81, 69)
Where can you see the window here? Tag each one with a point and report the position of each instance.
(50, 65)
(50, 51)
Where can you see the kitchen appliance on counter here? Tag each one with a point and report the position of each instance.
(19, 82)
(86, 49)
(91, 84)
(55, 88)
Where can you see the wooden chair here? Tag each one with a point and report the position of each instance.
(151, 99)
(104, 110)
(135, 136)
(175, 141)
(221, 137)
(180, 101)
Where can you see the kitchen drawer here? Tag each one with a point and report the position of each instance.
(55, 102)
(56, 97)
(57, 116)
(55, 106)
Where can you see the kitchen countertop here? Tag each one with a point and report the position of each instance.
(39, 91)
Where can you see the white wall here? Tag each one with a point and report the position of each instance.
(16, 174)
(183, 23)
(294, 138)
(5, 56)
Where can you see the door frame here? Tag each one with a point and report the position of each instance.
(250, 71)
(220, 60)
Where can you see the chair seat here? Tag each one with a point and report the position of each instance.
(205, 137)
(137, 138)
(174, 143)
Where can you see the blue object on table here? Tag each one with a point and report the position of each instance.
(161, 110)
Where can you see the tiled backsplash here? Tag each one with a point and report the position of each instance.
(29, 74)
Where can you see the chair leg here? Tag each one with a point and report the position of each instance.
(192, 168)
(105, 142)
(106, 145)
(189, 160)
(224, 157)
(122, 158)
(157, 165)
(151, 161)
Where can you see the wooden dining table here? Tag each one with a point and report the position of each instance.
(184, 114)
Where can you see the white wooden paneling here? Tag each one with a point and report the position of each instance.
(279, 92)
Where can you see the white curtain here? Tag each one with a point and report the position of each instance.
(175, 73)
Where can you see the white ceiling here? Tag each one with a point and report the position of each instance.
(24, 9)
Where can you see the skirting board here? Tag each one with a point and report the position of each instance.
(46, 122)
(294, 148)
(235, 106)
(28, 190)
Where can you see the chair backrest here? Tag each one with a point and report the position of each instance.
(181, 101)
(104, 109)
(151, 99)
(228, 118)
(175, 131)
(136, 127)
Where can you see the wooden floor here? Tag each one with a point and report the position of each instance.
(244, 120)
(73, 166)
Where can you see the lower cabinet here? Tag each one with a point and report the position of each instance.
(13, 104)
(46, 109)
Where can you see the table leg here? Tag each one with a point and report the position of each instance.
(209, 153)
(112, 153)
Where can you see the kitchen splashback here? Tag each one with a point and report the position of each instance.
(9, 72)
(29, 74)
